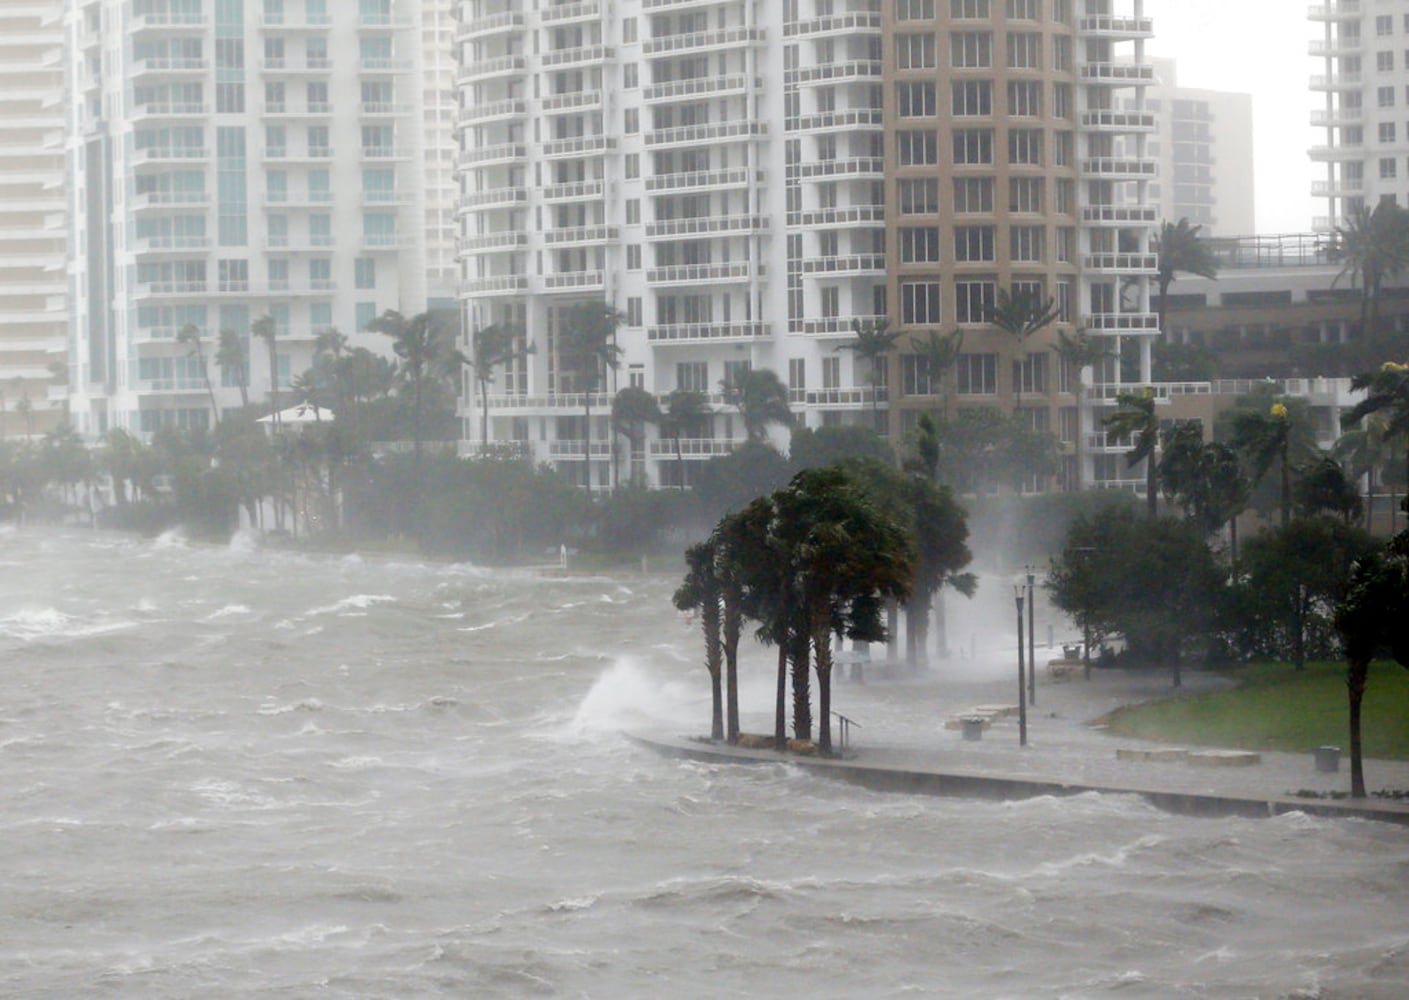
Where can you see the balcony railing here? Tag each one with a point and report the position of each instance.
(703, 333)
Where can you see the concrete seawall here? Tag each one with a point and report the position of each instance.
(879, 775)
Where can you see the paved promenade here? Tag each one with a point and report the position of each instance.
(900, 738)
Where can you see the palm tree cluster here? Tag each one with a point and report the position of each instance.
(816, 559)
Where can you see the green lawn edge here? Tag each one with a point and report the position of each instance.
(1277, 707)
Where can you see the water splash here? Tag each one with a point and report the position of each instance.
(628, 694)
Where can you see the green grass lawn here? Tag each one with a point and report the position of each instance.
(1276, 707)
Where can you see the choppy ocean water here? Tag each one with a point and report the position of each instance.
(227, 772)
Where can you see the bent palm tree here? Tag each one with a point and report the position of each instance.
(1181, 251)
(587, 343)
(632, 409)
(685, 410)
(1371, 245)
(234, 362)
(1079, 351)
(872, 342)
(1266, 438)
(761, 399)
(1020, 315)
(490, 347)
(941, 352)
(1386, 390)
(700, 591)
(265, 329)
(425, 354)
(1135, 418)
(190, 335)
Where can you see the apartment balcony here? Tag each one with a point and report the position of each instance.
(1350, 45)
(374, 23)
(481, 28)
(170, 66)
(313, 66)
(549, 403)
(318, 109)
(857, 168)
(1116, 28)
(580, 236)
(700, 274)
(577, 100)
(483, 156)
(169, 154)
(694, 135)
(574, 191)
(169, 110)
(494, 198)
(1341, 10)
(860, 264)
(1338, 81)
(1119, 169)
(284, 200)
(839, 326)
(313, 243)
(709, 86)
(575, 281)
(568, 13)
(1340, 188)
(1120, 215)
(1337, 154)
(859, 398)
(385, 153)
(492, 242)
(164, 201)
(382, 109)
(827, 121)
(584, 55)
(289, 21)
(170, 22)
(868, 70)
(693, 449)
(674, 5)
(587, 145)
(570, 448)
(1122, 322)
(172, 386)
(499, 284)
(849, 23)
(169, 244)
(385, 64)
(487, 69)
(313, 154)
(385, 242)
(1116, 74)
(709, 333)
(169, 289)
(865, 216)
(1133, 264)
(493, 111)
(1332, 117)
(1121, 122)
(703, 41)
(715, 180)
(715, 225)
(383, 199)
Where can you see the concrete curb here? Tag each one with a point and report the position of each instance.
(889, 778)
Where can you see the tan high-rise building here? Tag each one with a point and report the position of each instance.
(33, 235)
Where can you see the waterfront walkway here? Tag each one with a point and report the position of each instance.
(901, 744)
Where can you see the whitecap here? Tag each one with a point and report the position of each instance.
(306, 705)
(171, 538)
(348, 606)
(228, 611)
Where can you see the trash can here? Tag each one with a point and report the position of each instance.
(973, 727)
(1328, 759)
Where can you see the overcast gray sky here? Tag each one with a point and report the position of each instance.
(1257, 47)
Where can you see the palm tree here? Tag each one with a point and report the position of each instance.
(1265, 438)
(234, 362)
(1206, 479)
(265, 329)
(190, 335)
(684, 411)
(1181, 251)
(1386, 390)
(1365, 452)
(1135, 419)
(587, 344)
(425, 355)
(1020, 315)
(632, 409)
(941, 352)
(761, 399)
(700, 591)
(1079, 351)
(490, 347)
(872, 342)
(1372, 245)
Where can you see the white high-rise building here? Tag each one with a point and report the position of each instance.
(746, 180)
(33, 237)
(1363, 92)
(232, 160)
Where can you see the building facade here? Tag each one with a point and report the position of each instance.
(231, 161)
(1363, 91)
(749, 181)
(33, 235)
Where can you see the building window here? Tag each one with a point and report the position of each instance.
(831, 373)
(1025, 98)
(365, 312)
(633, 211)
(632, 121)
(914, 10)
(628, 30)
(968, 9)
(1384, 24)
(919, 244)
(914, 51)
(630, 76)
(1027, 242)
(1026, 10)
(1386, 132)
(1066, 295)
(1030, 374)
(976, 374)
(633, 166)
(917, 148)
(971, 49)
(920, 303)
(1384, 61)
(916, 99)
(972, 98)
(1065, 189)
(973, 194)
(1024, 50)
(1385, 96)
(973, 146)
(1025, 146)
(633, 256)
(973, 243)
(692, 376)
(364, 272)
(1025, 194)
(918, 195)
(1061, 100)
(974, 300)
(797, 373)
(1388, 167)
(831, 301)
(915, 375)
(633, 310)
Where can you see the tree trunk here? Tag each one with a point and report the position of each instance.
(587, 441)
(780, 711)
(1152, 485)
(1299, 639)
(1355, 684)
(798, 640)
(483, 417)
(822, 654)
(733, 624)
(709, 621)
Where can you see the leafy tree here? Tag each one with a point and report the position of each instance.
(1135, 418)
(1021, 315)
(492, 347)
(1266, 439)
(1324, 487)
(632, 409)
(1205, 479)
(727, 483)
(233, 360)
(761, 399)
(190, 336)
(685, 413)
(982, 447)
(1386, 392)
(872, 341)
(1366, 453)
(587, 345)
(1181, 251)
(1371, 245)
(701, 591)
(828, 445)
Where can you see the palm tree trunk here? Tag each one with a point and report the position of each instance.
(780, 710)
(1151, 485)
(733, 624)
(822, 654)
(798, 641)
(1355, 686)
(587, 440)
(483, 416)
(679, 461)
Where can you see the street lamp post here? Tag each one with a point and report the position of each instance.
(1022, 681)
(1031, 639)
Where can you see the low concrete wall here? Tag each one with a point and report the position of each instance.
(884, 778)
